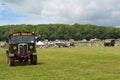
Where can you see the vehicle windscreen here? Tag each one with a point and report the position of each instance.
(20, 39)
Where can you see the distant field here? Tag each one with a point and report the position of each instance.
(79, 63)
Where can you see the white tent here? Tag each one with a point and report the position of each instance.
(39, 43)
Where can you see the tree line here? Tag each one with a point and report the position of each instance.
(63, 31)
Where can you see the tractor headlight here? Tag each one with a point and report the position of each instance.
(31, 47)
(14, 47)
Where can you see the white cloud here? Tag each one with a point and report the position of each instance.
(104, 12)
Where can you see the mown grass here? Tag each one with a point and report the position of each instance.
(79, 63)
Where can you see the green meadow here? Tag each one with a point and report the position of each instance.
(77, 63)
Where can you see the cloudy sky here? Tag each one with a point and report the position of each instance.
(99, 12)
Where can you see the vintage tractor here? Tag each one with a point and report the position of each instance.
(21, 48)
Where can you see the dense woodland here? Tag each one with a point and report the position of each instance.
(63, 31)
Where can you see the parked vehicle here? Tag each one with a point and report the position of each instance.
(109, 42)
(21, 48)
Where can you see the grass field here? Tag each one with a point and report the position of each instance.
(79, 63)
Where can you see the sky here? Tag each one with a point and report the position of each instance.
(98, 12)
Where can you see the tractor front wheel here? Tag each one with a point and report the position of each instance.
(34, 59)
(11, 61)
